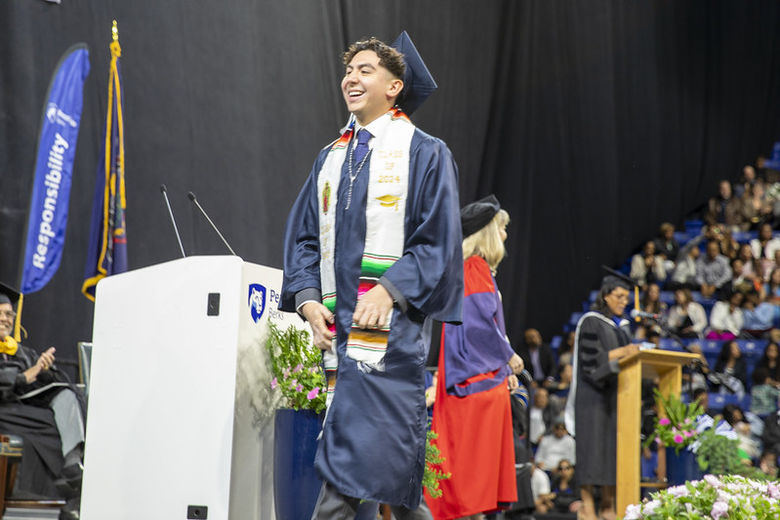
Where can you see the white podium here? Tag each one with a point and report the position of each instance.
(179, 422)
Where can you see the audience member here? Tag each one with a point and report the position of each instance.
(666, 245)
(739, 281)
(771, 289)
(687, 318)
(712, 270)
(694, 379)
(566, 494)
(730, 374)
(734, 416)
(751, 270)
(765, 245)
(562, 384)
(647, 267)
(763, 395)
(756, 206)
(771, 361)
(768, 463)
(541, 414)
(540, 486)
(684, 274)
(758, 316)
(725, 208)
(566, 350)
(726, 318)
(771, 434)
(745, 182)
(537, 357)
(555, 447)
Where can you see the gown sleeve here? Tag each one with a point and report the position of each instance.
(302, 245)
(593, 350)
(479, 346)
(429, 275)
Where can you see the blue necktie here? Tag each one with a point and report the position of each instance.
(362, 145)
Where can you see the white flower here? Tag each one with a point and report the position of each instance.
(650, 507)
(679, 491)
(633, 512)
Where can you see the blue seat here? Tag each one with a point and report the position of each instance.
(556, 342)
(682, 237)
(743, 237)
(669, 344)
(667, 297)
(719, 401)
(693, 227)
(572, 325)
(752, 348)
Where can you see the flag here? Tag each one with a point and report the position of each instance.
(107, 253)
(48, 216)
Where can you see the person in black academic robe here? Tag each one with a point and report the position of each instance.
(602, 339)
(45, 421)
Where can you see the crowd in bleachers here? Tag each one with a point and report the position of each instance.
(712, 288)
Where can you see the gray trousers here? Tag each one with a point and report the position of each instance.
(67, 416)
(332, 505)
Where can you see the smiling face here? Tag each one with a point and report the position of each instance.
(617, 300)
(6, 319)
(369, 89)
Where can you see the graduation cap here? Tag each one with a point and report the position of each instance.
(615, 278)
(477, 215)
(418, 81)
(8, 294)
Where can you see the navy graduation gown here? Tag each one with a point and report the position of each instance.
(373, 442)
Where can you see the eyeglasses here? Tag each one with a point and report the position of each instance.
(8, 314)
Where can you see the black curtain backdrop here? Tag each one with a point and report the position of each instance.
(592, 121)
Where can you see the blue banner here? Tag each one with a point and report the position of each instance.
(107, 252)
(53, 169)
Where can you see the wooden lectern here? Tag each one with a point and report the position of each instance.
(647, 364)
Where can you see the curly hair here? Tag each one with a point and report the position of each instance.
(389, 58)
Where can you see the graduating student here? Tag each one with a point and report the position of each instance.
(602, 338)
(51, 422)
(372, 255)
(472, 414)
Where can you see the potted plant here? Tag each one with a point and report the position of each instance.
(298, 377)
(677, 432)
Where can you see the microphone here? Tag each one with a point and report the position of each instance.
(164, 192)
(642, 314)
(195, 201)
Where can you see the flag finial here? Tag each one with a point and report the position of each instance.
(115, 32)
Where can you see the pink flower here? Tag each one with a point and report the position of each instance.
(687, 433)
(658, 441)
(314, 392)
(678, 438)
(293, 383)
(299, 388)
(298, 368)
(286, 372)
(663, 421)
(274, 383)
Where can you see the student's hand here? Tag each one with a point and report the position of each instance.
(319, 317)
(373, 308)
(512, 382)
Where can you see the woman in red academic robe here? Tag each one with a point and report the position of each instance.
(472, 414)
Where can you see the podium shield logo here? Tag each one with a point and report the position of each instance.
(256, 301)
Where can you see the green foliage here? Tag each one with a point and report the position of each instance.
(295, 365)
(432, 476)
(717, 454)
(728, 497)
(678, 428)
